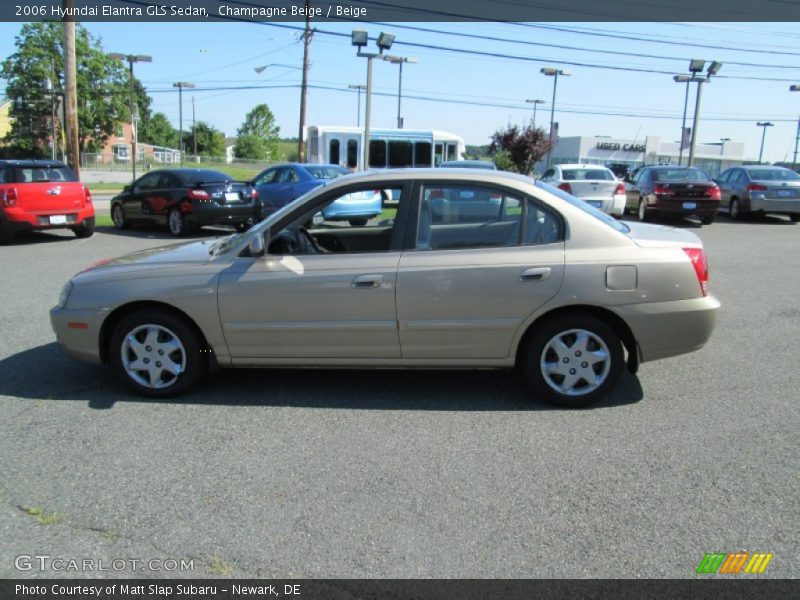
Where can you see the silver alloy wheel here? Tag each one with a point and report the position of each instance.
(118, 216)
(575, 362)
(733, 209)
(642, 210)
(175, 222)
(153, 356)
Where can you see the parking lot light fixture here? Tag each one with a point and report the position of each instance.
(130, 59)
(683, 79)
(795, 88)
(399, 60)
(554, 73)
(535, 103)
(763, 125)
(696, 66)
(359, 39)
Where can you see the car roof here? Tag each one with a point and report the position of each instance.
(764, 167)
(581, 166)
(32, 162)
(435, 174)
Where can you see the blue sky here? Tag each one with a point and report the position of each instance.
(225, 54)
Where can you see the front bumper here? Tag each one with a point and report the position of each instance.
(209, 213)
(78, 331)
(664, 329)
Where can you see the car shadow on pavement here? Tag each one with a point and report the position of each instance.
(473, 390)
(27, 238)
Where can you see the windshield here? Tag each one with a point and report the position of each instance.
(680, 175)
(326, 172)
(773, 175)
(590, 174)
(597, 214)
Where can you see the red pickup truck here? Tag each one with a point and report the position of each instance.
(43, 194)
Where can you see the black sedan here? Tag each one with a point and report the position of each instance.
(184, 199)
(674, 191)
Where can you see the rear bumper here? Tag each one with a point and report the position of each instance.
(14, 220)
(79, 343)
(786, 207)
(664, 329)
(207, 213)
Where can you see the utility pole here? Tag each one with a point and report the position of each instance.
(301, 146)
(180, 85)
(71, 92)
(796, 140)
(194, 132)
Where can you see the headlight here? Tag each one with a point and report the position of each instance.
(64, 296)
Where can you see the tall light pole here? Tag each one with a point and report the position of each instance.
(795, 88)
(359, 87)
(181, 85)
(132, 58)
(554, 73)
(535, 103)
(399, 60)
(763, 125)
(682, 79)
(48, 86)
(696, 66)
(359, 39)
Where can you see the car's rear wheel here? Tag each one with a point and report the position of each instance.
(118, 217)
(572, 361)
(176, 223)
(643, 212)
(85, 229)
(735, 209)
(157, 353)
(358, 222)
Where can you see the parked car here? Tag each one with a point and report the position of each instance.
(184, 199)
(620, 170)
(282, 184)
(43, 194)
(594, 184)
(760, 188)
(469, 164)
(673, 191)
(545, 282)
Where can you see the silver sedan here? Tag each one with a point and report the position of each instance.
(529, 277)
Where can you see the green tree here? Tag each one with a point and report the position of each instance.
(258, 136)
(158, 131)
(521, 147)
(210, 140)
(102, 84)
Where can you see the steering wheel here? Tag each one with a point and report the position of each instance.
(307, 243)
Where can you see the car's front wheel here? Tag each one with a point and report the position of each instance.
(157, 353)
(572, 361)
(643, 212)
(118, 216)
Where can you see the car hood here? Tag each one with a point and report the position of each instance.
(649, 235)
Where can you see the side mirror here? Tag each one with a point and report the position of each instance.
(258, 245)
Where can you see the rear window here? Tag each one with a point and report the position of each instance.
(773, 175)
(204, 176)
(37, 174)
(326, 172)
(597, 214)
(590, 174)
(680, 175)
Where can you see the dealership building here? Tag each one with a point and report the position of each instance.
(652, 150)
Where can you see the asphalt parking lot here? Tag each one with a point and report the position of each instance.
(401, 474)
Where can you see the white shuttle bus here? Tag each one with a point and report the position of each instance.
(389, 148)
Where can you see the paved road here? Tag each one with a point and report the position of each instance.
(352, 473)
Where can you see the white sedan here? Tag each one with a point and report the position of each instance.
(594, 184)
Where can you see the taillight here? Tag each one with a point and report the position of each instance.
(663, 190)
(10, 197)
(713, 193)
(565, 187)
(196, 194)
(698, 258)
(620, 189)
(253, 194)
(87, 195)
(756, 187)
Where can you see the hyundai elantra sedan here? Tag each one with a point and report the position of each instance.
(541, 281)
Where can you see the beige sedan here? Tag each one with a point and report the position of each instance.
(517, 273)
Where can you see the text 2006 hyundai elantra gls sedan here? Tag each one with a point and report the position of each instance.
(525, 275)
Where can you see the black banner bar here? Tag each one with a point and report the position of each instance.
(398, 589)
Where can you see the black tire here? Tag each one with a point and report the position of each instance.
(358, 222)
(195, 355)
(707, 219)
(795, 218)
(85, 229)
(537, 349)
(735, 210)
(643, 212)
(118, 217)
(176, 223)
(4, 236)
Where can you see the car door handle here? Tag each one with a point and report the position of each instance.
(367, 281)
(535, 274)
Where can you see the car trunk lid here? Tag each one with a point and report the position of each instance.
(594, 189)
(649, 235)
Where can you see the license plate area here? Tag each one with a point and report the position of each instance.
(231, 197)
(785, 193)
(58, 219)
(689, 205)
